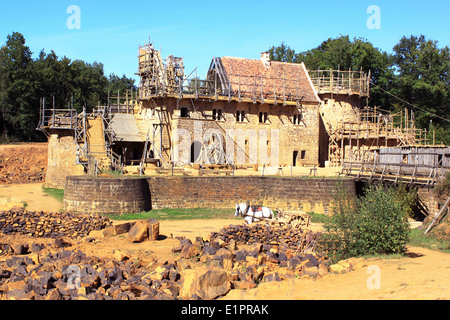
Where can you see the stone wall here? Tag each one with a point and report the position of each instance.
(309, 195)
(130, 195)
(299, 140)
(61, 159)
(429, 199)
(106, 195)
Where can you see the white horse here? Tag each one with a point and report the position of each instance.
(253, 213)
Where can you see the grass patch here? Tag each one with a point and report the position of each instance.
(319, 218)
(178, 214)
(58, 194)
(418, 239)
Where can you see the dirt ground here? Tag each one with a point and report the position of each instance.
(425, 274)
(23, 163)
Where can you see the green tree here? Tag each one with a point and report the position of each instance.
(54, 78)
(283, 53)
(423, 80)
(345, 54)
(89, 83)
(122, 84)
(19, 106)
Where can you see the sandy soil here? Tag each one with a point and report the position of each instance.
(424, 275)
(31, 195)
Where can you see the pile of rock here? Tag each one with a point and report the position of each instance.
(288, 236)
(237, 257)
(203, 270)
(257, 253)
(50, 224)
(69, 275)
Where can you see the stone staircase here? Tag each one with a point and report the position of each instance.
(96, 140)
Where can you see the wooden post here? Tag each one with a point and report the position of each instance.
(357, 141)
(350, 138)
(181, 87)
(118, 101)
(406, 119)
(262, 90)
(126, 99)
(331, 83)
(53, 117)
(43, 111)
(196, 86)
(239, 87)
(438, 215)
(215, 85)
(229, 86)
(342, 144)
(254, 89)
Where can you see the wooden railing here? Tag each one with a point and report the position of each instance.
(413, 174)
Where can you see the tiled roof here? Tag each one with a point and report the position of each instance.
(125, 128)
(288, 81)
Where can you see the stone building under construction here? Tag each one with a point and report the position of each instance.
(246, 111)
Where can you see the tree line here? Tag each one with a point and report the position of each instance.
(416, 75)
(24, 80)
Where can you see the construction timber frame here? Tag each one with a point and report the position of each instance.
(355, 132)
(412, 165)
(52, 119)
(372, 128)
(341, 82)
(166, 78)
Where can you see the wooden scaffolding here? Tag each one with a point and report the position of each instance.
(372, 128)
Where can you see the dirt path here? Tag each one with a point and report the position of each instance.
(29, 194)
(426, 276)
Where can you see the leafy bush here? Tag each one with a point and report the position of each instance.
(375, 223)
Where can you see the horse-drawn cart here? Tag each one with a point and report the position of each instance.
(293, 219)
(280, 219)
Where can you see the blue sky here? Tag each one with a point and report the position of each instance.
(111, 31)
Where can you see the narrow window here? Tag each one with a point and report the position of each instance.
(240, 116)
(303, 155)
(263, 116)
(296, 118)
(184, 112)
(217, 114)
(294, 158)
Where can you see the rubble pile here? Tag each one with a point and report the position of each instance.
(23, 164)
(69, 275)
(287, 236)
(203, 269)
(50, 224)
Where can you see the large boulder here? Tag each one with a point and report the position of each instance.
(204, 283)
(138, 232)
(144, 230)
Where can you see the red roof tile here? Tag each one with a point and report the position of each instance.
(283, 80)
